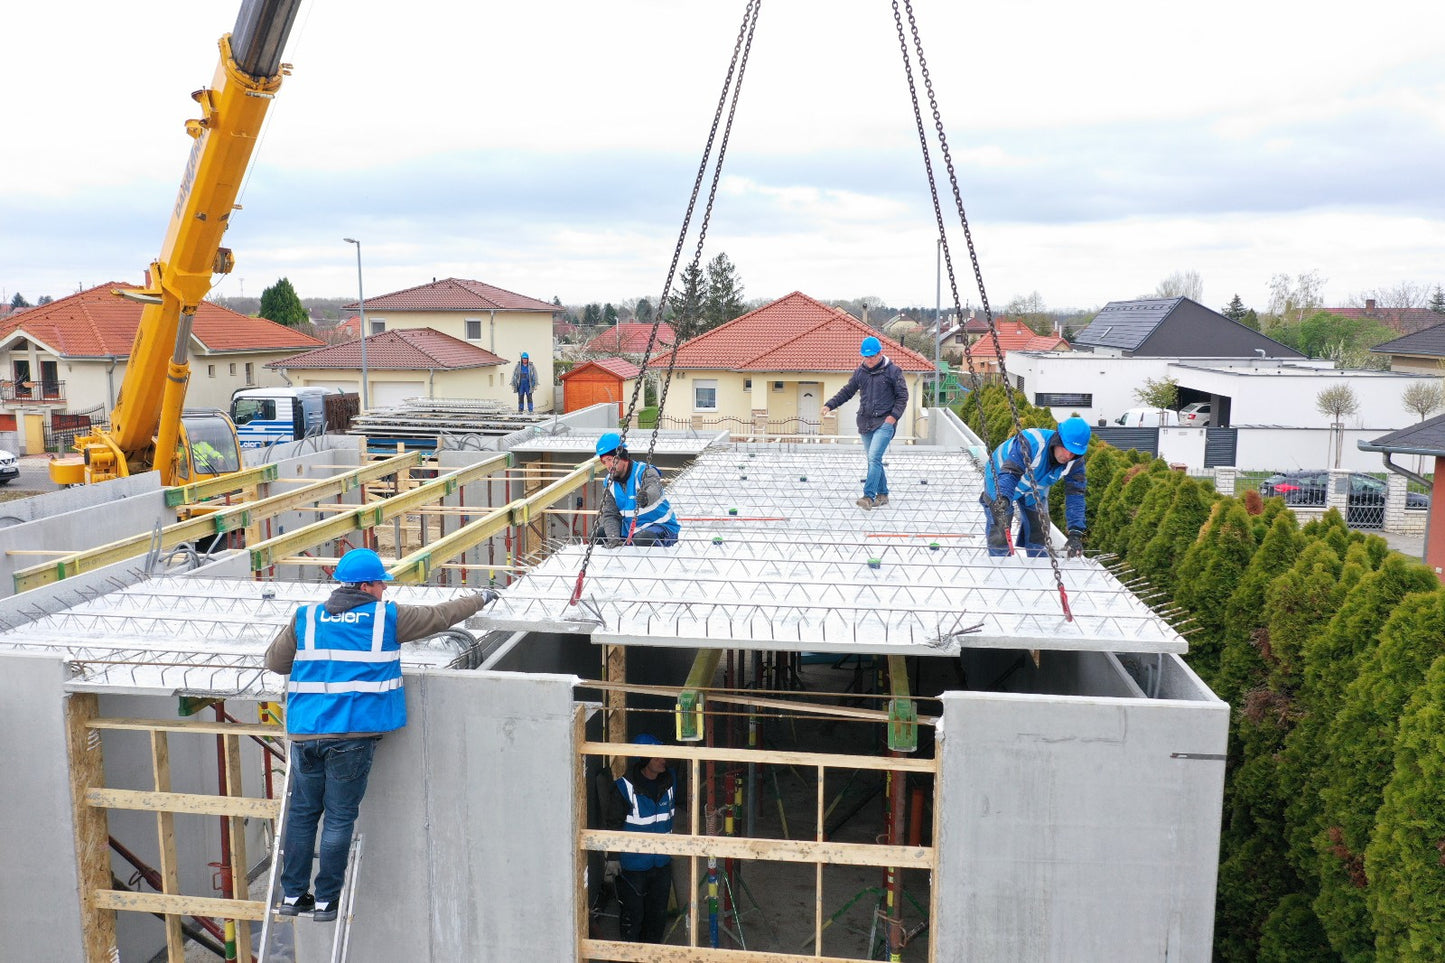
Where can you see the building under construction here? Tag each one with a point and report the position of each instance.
(894, 746)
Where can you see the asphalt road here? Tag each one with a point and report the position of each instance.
(34, 476)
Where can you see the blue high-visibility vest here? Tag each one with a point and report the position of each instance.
(646, 815)
(658, 515)
(347, 672)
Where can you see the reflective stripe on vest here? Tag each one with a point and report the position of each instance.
(347, 673)
(625, 498)
(1036, 478)
(657, 819)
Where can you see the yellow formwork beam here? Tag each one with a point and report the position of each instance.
(273, 550)
(226, 519)
(210, 488)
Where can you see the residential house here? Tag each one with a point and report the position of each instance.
(778, 364)
(1403, 320)
(629, 339)
(1422, 352)
(599, 381)
(1013, 335)
(1427, 440)
(401, 364)
(69, 357)
(1173, 328)
(502, 323)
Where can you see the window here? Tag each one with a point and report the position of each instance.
(1063, 399)
(704, 394)
(210, 371)
(777, 386)
(246, 410)
(747, 384)
(250, 373)
(233, 369)
(378, 325)
(474, 329)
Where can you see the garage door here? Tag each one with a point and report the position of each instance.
(387, 394)
(587, 393)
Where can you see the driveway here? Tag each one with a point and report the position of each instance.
(34, 478)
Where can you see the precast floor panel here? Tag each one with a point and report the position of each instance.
(775, 554)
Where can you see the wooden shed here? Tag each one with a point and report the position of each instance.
(599, 381)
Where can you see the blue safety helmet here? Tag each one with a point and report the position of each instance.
(648, 739)
(360, 565)
(608, 443)
(1074, 434)
(870, 347)
(524, 356)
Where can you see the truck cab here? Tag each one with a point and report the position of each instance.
(267, 416)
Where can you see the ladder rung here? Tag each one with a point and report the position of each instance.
(181, 802)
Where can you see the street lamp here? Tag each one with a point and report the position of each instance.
(361, 303)
(938, 324)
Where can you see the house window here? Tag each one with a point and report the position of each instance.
(747, 384)
(704, 394)
(250, 373)
(233, 369)
(378, 325)
(1063, 399)
(474, 329)
(777, 386)
(210, 371)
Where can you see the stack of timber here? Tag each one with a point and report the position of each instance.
(431, 423)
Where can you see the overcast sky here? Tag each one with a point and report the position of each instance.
(549, 147)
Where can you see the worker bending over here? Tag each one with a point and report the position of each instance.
(634, 509)
(344, 661)
(644, 800)
(1022, 470)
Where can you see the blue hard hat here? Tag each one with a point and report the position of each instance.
(1074, 434)
(361, 565)
(524, 356)
(608, 443)
(648, 739)
(870, 347)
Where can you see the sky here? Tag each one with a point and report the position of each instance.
(550, 148)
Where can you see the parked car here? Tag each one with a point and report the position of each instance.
(1148, 418)
(1366, 500)
(1195, 415)
(9, 467)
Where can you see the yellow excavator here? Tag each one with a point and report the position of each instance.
(149, 428)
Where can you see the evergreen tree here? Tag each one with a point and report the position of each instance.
(44, 299)
(686, 306)
(1437, 300)
(1234, 310)
(592, 315)
(724, 299)
(19, 301)
(280, 303)
(1152, 508)
(1293, 933)
(1178, 529)
(1406, 896)
(1105, 461)
(609, 314)
(644, 310)
(1229, 552)
(1250, 320)
(1241, 665)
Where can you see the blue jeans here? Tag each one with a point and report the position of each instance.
(875, 443)
(327, 776)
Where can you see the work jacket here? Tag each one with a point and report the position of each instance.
(524, 377)
(657, 514)
(881, 392)
(1023, 469)
(346, 676)
(647, 814)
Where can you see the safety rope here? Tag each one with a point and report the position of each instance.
(972, 253)
(737, 66)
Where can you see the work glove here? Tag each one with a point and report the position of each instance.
(1001, 507)
(1075, 545)
(489, 596)
(610, 870)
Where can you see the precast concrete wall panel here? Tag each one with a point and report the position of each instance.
(1080, 828)
(468, 824)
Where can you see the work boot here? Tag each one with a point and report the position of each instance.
(865, 502)
(296, 905)
(880, 500)
(325, 912)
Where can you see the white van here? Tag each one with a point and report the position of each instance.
(1148, 418)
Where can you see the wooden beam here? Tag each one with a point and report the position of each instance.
(182, 802)
(166, 831)
(237, 855)
(663, 953)
(747, 847)
(228, 909)
(780, 757)
(92, 834)
(208, 727)
(178, 495)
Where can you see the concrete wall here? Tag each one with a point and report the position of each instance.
(1079, 828)
(47, 504)
(468, 824)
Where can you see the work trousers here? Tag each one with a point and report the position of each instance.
(875, 443)
(1033, 530)
(643, 894)
(524, 397)
(328, 776)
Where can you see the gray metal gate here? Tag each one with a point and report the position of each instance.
(1220, 447)
(1142, 439)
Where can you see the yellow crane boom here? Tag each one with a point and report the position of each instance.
(146, 430)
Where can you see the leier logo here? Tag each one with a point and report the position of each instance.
(353, 617)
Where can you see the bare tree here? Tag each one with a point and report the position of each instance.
(1293, 299)
(1423, 397)
(1403, 296)
(1336, 402)
(1032, 311)
(1181, 284)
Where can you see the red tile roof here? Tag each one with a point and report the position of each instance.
(455, 294)
(621, 367)
(95, 323)
(1013, 335)
(1404, 320)
(631, 338)
(409, 349)
(793, 333)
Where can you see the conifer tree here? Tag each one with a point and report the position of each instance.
(1152, 508)
(1230, 550)
(1117, 514)
(1293, 933)
(280, 303)
(1241, 665)
(724, 298)
(1175, 533)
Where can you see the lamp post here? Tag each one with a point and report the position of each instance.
(937, 323)
(361, 303)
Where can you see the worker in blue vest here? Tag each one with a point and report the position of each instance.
(524, 380)
(645, 801)
(634, 510)
(1021, 471)
(343, 657)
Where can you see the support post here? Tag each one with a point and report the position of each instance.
(92, 850)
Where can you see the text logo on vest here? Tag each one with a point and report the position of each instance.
(352, 616)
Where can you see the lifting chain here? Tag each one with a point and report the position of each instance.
(742, 47)
(972, 253)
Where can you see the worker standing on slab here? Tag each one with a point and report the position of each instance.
(345, 691)
(882, 399)
(1021, 471)
(524, 380)
(634, 509)
(644, 801)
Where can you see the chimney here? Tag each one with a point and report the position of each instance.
(1369, 305)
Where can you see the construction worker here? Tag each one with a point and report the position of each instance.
(634, 510)
(524, 379)
(1022, 470)
(644, 801)
(883, 397)
(345, 690)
